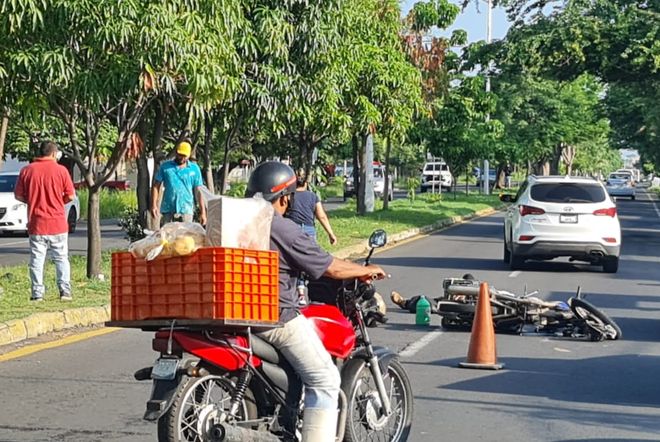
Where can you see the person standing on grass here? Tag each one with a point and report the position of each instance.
(305, 207)
(182, 180)
(46, 186)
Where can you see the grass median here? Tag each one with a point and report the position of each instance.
(15, 289)
(349, 228)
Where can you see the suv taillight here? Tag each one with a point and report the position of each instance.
(529, 210)
(606, 212)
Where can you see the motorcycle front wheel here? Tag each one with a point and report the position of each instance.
(198, 404)
(365, 419)
(600, 325)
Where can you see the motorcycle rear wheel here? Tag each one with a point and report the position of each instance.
(365, 421)
(600, 325)
(196, 404)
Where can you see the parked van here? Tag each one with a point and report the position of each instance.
(435, 174)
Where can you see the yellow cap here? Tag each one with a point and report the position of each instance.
(184, 148)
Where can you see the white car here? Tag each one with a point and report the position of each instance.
(379, 183)
(13, 213)
(562, 216)
(435, 174)
(621, 184)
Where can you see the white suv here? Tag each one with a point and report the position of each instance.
(435, 174)
(556, 216)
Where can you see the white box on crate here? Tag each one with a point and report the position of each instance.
(238, 222)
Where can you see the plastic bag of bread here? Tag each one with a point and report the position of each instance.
(237, 222)
(173, 239)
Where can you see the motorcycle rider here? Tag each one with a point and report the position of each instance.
(296, 339)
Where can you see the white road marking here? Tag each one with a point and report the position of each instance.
(416, 346)
(654, 205)
(514, 274)
(25, 241)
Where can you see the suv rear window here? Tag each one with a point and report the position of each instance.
(567, 193)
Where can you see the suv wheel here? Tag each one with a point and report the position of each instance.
(507, 254)
(611, 264)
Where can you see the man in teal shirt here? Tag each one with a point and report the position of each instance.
(181, 180)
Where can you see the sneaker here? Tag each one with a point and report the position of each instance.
(398, 299)
(65, 296)
(36, 299)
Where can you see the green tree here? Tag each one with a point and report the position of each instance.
(89, 63)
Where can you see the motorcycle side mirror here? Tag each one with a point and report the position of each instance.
(378, 239)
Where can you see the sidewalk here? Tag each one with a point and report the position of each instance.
(41, 323)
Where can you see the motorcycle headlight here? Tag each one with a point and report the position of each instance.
(18, 206)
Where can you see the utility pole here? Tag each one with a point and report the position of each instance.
(485, 181)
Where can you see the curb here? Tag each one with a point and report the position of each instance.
(38, 324)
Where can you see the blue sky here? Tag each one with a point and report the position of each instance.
(472, 21)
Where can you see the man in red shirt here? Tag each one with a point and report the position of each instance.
(46, 186)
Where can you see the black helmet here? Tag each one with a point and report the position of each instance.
(272, 179)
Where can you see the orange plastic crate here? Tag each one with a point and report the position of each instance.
(212, 283)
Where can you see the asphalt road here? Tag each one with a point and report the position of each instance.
(551, 389)
(14, 249)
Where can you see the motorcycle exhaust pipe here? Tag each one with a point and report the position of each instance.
(232, 433)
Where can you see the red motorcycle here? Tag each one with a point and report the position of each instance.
(228, 384)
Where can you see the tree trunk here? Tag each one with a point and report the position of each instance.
(467, 178)
(356, 167)
(362, 190)
(93, 233)
(143, 189)
(225, 172)
(568, 156)
(4, 125)
(208, 167)
(309, 174)
(556, 159)
(386, 189)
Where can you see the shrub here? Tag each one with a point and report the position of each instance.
(237, 190)
(412, 184)
(130, 224)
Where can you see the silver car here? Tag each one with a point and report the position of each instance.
(620, 184)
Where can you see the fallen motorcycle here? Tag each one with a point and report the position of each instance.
(575, 318)
(228, 384)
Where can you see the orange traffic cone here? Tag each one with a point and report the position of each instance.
(482, 353)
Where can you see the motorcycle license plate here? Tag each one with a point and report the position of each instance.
(570, 219)
(165, 369)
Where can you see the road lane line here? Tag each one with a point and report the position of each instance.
(416, 346)
(28, 350)
(654, 205)
(514, 274)
(25, 241)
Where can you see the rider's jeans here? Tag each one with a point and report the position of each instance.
(301, 346)
(58, 247)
